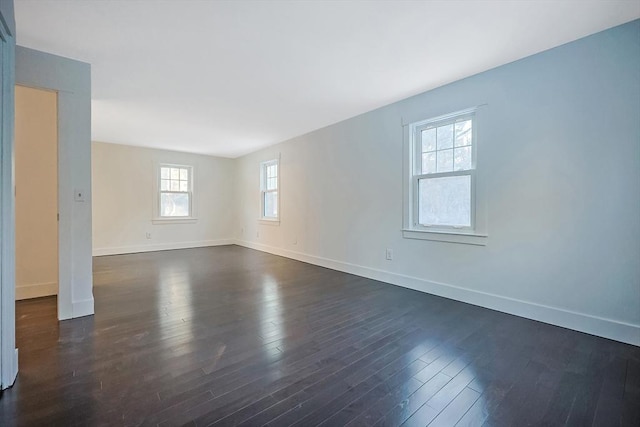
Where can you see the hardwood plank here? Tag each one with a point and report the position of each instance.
(441, 399)
(320, 394)
(631, 400)
(453, 412)
(400, 380)
(475, 416)
(231, 336)
(610, 402)
(379, 408)
(413, 403)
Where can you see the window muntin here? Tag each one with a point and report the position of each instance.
(443, 173)
(447, 147)
(176, 188)
(269, 190)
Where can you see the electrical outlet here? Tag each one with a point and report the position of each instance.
(79, 195)
(389, 254)
(148, 235)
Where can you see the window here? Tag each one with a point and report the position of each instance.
(441, 196)
(269, 190)
(176, 191)
(444, 173)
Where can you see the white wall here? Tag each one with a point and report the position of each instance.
(36, 175)
(123, 203)
(559, 155)
(72, 80)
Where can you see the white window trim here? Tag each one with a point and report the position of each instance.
(263, 166)
(476, 234)
(163, 220)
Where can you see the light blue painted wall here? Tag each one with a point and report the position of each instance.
(72, 80)
(7, 15)
(8, 352)
(559, 155)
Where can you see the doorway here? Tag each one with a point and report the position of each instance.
(36, 198)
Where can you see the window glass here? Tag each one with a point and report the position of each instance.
(443, 173)
(445, 201)
(175, 196)
(271, 204)
(174, 204)
(444, 137)
(269, 190)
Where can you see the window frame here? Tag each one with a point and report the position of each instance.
(158, 217)
(263, 190)
(475, 233)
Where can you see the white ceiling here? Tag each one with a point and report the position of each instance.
(229, 77)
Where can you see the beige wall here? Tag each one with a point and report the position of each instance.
(36, 175)
(123, 200)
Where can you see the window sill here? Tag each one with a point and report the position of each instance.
(266, 221)
(167, 221)
(446, 236)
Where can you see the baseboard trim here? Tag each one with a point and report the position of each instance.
(160, 247)
(9, 372)
(36, 290)
(83, 308)
(594, 325)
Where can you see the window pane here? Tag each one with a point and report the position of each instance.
(164, 173)
(462, 159)
(445, 160)
(445, 137)
(174, 204)
(428, 162)
(272, 184)
(271, 204)
(184, 186)
(175, 185)
(175, 173)
(184, 174)
(445, 201)
(428, 140)
(463, 133)
(164, 184)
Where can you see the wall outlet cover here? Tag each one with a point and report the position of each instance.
(79, 195)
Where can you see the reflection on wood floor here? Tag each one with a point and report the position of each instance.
(231, 336)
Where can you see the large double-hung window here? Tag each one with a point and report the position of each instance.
(442, 182)
(444, 173)
(269, 180)
(176, 191)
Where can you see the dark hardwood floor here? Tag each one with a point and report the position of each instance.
(231, 336)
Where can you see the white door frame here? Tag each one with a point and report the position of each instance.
(8, 352)
(72, 82)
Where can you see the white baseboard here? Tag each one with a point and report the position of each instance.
(36, 290)
(9, 373)
(160, 247)
(83, 308)
(594, 325)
